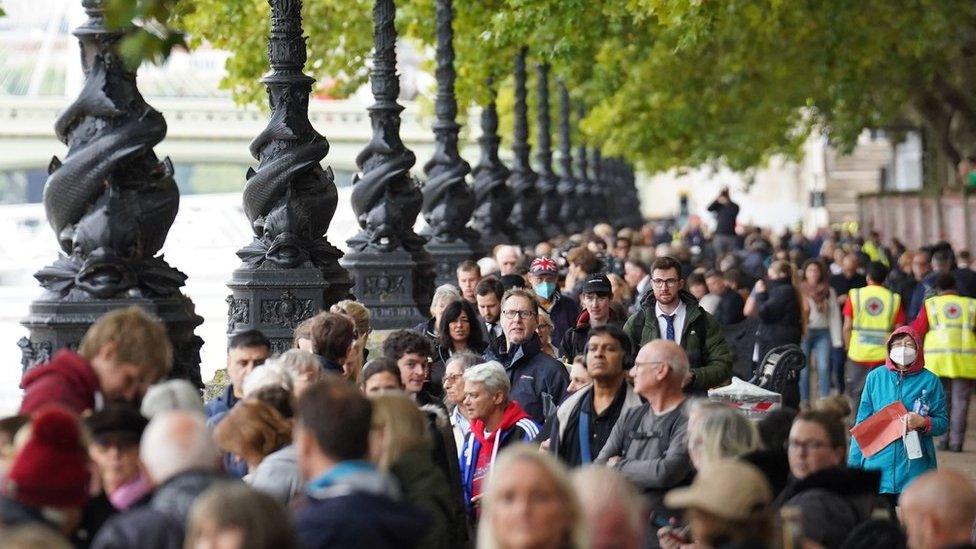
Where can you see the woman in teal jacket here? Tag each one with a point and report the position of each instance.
(903, 378)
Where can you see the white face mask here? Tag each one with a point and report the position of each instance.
(903, 356)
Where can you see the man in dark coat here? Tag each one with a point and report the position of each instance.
(180, 457)
(348, 503)
(673, 314)
(562, 308)
(539, 381)
(596, 297)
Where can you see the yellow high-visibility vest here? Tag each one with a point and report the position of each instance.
(950, 344)
(875, 309)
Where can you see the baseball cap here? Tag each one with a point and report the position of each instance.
(729, 489)
(597, 284)
(543, 265)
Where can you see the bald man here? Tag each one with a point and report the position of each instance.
(649, 443)
(938, 510)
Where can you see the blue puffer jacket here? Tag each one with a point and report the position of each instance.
(885, 385)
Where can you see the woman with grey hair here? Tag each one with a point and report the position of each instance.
(454, 394)
(496, 422)
(302, 367)
(444, 294)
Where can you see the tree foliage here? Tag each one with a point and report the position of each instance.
(667, 83)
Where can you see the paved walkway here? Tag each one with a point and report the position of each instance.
(965, 461)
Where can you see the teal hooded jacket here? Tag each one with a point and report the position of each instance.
(884, 385)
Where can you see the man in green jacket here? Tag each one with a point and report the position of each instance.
(673, 314)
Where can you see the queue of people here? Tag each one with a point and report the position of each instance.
(557, 398)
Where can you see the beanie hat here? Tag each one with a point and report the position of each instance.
(51, 470)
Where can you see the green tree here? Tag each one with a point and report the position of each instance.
(668, 83)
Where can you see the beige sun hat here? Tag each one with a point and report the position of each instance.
(729, 489)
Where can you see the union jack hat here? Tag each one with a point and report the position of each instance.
(543, 265)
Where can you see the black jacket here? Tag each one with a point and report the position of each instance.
(162, 523)
(832, 502)
(730, 306)
(779, 316)
(539, 381)
(574, 341)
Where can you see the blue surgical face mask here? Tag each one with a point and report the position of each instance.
(544, 289)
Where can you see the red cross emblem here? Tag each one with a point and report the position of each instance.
(952, 311)
(874, 306)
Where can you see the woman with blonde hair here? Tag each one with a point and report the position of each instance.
(529, 502)
(717, 432)
(400, 445)
(231, 515)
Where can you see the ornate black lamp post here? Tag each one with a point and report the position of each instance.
(289, 271)
(392, 272)
(493, 195)
(525, 214)
(111, 203)
(567, 188)
(548, 182)
(600, 187)
(448, 199)
(584, 187)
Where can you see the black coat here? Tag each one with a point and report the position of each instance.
(539, 381)
(161, 523)
(779, 316)
(832, 502)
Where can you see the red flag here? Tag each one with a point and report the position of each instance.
(881, 429)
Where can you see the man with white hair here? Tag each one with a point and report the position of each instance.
(508, 258)
(496, 422)
(648, 444)
(179, 455)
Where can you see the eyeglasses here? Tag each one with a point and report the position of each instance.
(512, 313)
(595, 298)
(451, 378)
(809, 445)
(661, 282)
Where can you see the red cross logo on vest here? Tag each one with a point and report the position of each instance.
(951, 311)
(874, 306)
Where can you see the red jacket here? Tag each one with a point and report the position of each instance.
(68, 380)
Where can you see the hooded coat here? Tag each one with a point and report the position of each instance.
(884, 386)
(516, 426)
(67, 379)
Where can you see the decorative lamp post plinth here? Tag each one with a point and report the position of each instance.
(449, 201)
(111, 203)
(393, 274)
(289, 271)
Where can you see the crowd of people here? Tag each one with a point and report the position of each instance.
(556, 397)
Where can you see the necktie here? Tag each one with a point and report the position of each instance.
(670, 333)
